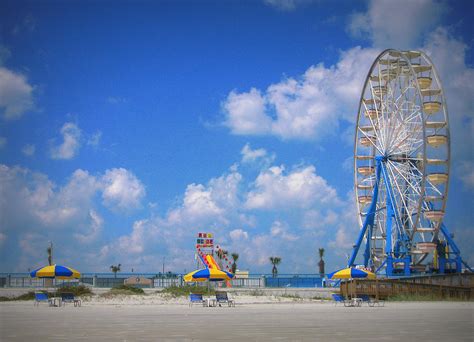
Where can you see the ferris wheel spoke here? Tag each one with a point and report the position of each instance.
(401, 173)
(401, 196)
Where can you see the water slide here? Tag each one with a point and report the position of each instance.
(209, 261)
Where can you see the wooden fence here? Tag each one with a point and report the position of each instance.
(384, 288)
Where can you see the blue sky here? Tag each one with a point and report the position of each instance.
(127, 128)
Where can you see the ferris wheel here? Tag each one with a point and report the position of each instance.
(402, 166)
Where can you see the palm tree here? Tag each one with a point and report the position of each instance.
(235, 257)
(321, 262)
(49, 250)
(275, 261)
(115, 269)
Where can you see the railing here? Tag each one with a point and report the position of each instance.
(108, 280)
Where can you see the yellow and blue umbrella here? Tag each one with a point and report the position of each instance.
(211, 274)
(55, 271)
(351, 273)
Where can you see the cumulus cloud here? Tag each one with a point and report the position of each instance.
(96, 223)
(396, 24)
(238, 234)
(309, 107)
(275, 188)
(449, 57)
(35, 210)
(280, 229)
(35, 202)
(122, 190)
(258, 156)
(208, 202)
(28, 150)
(71, 135)
(16, 94)
(246, 113)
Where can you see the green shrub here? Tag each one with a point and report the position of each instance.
(80, 290)
(293, 296)
(185, 290)
(133, 289)
(124, 290)
(26, 296)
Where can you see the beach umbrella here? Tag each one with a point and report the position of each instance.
(351, 273)
(55, 271)
(210, 274)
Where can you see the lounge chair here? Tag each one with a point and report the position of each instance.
(338, 298)
(196, 298)
(371, 301)
(42, 297)
(222, 297)
(68, 297)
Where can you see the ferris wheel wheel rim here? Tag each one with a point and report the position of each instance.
(424, 116)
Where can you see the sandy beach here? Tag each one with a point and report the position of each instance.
(259, 318)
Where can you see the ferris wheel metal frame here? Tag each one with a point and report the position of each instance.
(401, 168)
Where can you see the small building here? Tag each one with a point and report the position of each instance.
(241, 274)
(138, 282)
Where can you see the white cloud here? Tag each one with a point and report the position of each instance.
(238, 235)
(306, 108)
(211, 202)
(249, 155)
(96, 223)
(198, 201)
(396, 24)
(280, 229)
(16, 94)
(35, 202)
(3, 142)
(122, 190)
(71, 135)
(35, 210)
(449, 57)
(319, 221)
(299, 188)
(246, 113)
(28, 150)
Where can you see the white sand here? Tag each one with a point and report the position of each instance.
(261, 318)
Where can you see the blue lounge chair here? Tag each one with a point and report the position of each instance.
(196, 298)
(339, 299)
(68, 297)
(42, 297)
(371, 301)
(222, 297)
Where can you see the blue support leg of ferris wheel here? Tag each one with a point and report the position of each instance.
(369, 220)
